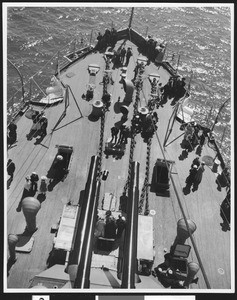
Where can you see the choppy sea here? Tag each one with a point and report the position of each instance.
(198, 36)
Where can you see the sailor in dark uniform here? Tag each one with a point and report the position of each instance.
(122, 55)
(12, 135)
(10, 169)
(114, 133)
(43, 125)
(128, 55)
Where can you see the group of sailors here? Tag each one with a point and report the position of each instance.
(31, 181)
(194, 135)
(40, 123)
(146, 125)
(175, 88)
(195, 175)
(152, 47)
(123, 132)
(108, 39)
(110, 227)
(31, 187)
(121, 56)
(167, 275)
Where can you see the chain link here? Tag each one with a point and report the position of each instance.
(102, 123)
(144, 192)
(138, 85)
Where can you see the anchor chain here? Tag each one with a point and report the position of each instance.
(100, 151)
(144, 193)
(138, 86)
(102, 125)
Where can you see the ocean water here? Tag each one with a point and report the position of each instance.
(199, 37)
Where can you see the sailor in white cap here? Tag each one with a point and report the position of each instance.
(59, 167)
(34, 177)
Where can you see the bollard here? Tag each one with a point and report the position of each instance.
(193, 268)
(143, 111)
(182, 231)
(97, 108)
(30, 208)
(12, 241)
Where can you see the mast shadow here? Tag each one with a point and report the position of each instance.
(112, 280)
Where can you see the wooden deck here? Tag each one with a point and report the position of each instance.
(201, 206)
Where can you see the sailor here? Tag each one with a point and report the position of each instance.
(34, 178)
(196, 162)
(136, 71)
(189, 130)
(122, 55)
(181, 88)
(192, 173)
(198, 176)
(106, 37)
(121, 224)
(59, 167)
(183, 83)
(114, 133)
(110, 228)
(202, 138)
(12, 135)
(99, 43)
(35, 117)
(223, 179)
(106, 100)
(43, 185)
(225, 212)
(155, 117)
(165, 90)
(43, 124)
(100, 228)
(10, 169)
(136, 123)
(26, 192)
(113, 37)
(159, 95)
(128, 55)
(123, 135)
